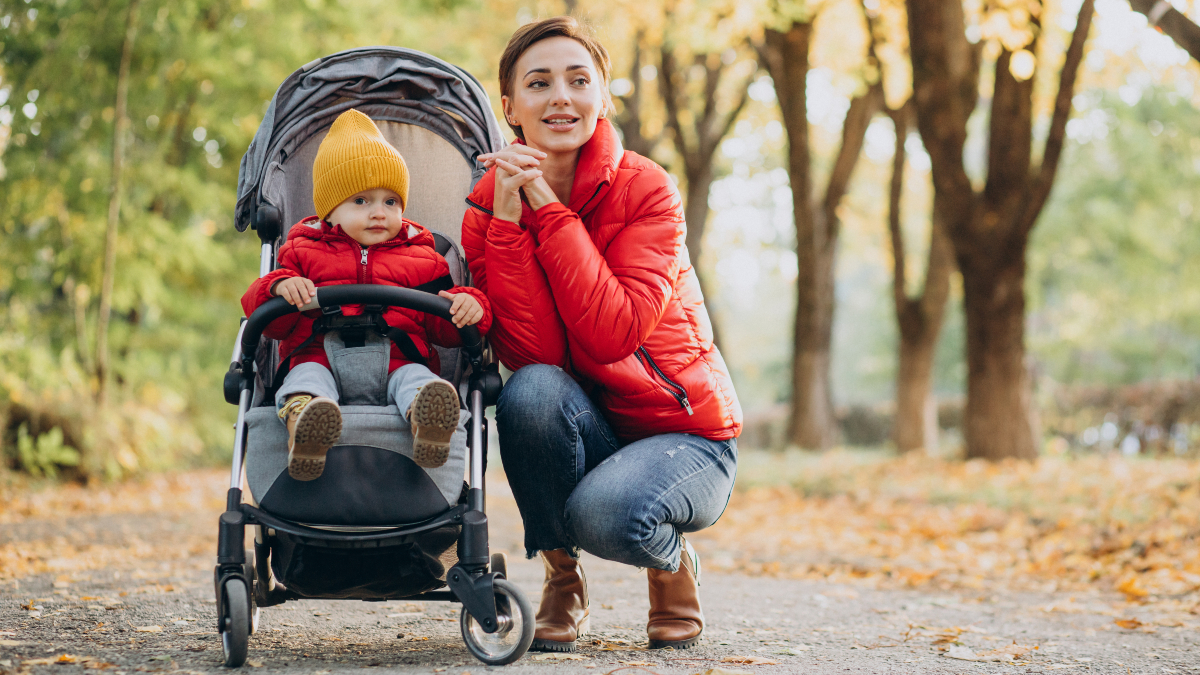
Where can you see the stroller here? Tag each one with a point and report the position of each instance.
(375, 526)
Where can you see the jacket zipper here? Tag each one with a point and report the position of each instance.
(589, 201)
(362, 272)
(473, 204)
(676, 389)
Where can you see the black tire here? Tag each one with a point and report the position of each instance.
(509, 643)
(500, 563)
(235, 625)
(249, 569)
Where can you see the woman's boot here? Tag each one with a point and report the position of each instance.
(562, 615)
(676, 619)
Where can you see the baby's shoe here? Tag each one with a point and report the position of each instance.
(314, 424)
(434, 417)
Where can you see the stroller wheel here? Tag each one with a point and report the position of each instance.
(235, 625)
(512, 640)
(500, 563)
(250, 570)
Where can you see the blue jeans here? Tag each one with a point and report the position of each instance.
(577, 486)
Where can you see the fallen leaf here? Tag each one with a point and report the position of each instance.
(1132, 587)
(290, 624)
(1131, 624)
(10, 643)
(161, 657)
(99, 665)
(255, 664)
(726, 671)
(637, 663)
(750, 660)
(148, 629)
(793, 651)
(1003, 655)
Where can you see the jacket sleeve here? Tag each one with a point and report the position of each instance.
(526, 328)
(610, 303)
(442, 332)
(260, 292)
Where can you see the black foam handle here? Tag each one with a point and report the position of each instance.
(359, 294)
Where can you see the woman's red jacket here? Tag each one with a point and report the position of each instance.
(604, 289)
(327, 256)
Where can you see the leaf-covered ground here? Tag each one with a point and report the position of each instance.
(847, 562)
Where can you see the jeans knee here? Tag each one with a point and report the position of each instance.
(534, 390)
(611, 533)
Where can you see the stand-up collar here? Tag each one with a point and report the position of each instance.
(599, 159)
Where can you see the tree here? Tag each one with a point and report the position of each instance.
(920, 317)
(785, 52)
(990, 229)
(1171, 21)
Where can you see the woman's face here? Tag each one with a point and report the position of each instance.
(557, 95)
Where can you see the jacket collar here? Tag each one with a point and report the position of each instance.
(316, 229)
(599, 160)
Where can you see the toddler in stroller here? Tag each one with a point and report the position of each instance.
(360, 188)
(379, 522)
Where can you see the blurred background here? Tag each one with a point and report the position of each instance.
(1001, 265)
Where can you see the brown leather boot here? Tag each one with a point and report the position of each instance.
(314, 425)
(562, 615)
(676, 619)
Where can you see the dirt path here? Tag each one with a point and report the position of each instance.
(132, 592)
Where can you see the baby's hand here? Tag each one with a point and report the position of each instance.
(298, 291)
(465, 310)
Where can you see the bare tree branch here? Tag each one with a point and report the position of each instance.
(1171, 21)
(1058, 123)
(895, 192)
(854, 130)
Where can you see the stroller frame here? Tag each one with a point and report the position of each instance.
(243, 578)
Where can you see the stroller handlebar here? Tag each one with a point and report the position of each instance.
(359, 294)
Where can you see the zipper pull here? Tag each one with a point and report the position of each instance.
(364, 256)
(686, 405)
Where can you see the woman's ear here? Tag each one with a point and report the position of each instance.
(506, 105)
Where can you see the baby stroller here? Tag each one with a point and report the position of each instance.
(375, 526)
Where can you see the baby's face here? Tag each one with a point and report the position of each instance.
(370, 217)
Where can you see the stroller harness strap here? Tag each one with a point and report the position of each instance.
(371, 319)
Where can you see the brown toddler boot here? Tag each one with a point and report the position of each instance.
(434, 417)
(314, 425)
(676, 619)
(562, 615)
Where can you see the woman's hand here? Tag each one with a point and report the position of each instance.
(465, 310)
(516, 168)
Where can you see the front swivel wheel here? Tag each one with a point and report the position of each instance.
(515, 634)
(235, 625)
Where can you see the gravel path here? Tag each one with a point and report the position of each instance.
(133, 593)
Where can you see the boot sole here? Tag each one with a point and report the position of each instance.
(541, 645)
(434, 418)
(317, 429)
(675, 644)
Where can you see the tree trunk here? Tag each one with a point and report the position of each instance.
(120, 128)
(812, 423)
(695, 214)
(990, 229)
(919, 319)
(999, 416)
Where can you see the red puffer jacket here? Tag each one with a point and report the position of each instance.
(328, 256)
(604, 288)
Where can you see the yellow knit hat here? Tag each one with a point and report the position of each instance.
(355, 157)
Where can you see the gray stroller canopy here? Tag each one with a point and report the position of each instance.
(388, 84)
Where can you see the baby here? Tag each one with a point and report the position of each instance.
(359, 236)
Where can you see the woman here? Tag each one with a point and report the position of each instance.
(618, 428)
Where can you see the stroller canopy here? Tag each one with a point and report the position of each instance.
(422, 105)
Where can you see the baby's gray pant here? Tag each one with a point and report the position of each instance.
(316, 380)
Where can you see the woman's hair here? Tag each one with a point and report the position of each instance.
(560, 26)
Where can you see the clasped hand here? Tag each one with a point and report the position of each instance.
(517, 170)
(465, 310)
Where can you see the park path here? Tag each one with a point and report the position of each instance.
(131, 592)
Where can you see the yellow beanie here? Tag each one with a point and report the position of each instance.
(355, 157)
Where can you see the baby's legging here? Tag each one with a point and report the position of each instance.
(316, 380)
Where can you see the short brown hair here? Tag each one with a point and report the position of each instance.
(532, 33)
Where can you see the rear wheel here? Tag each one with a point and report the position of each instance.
(515, 634)
(235, 625)
(251, 572)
